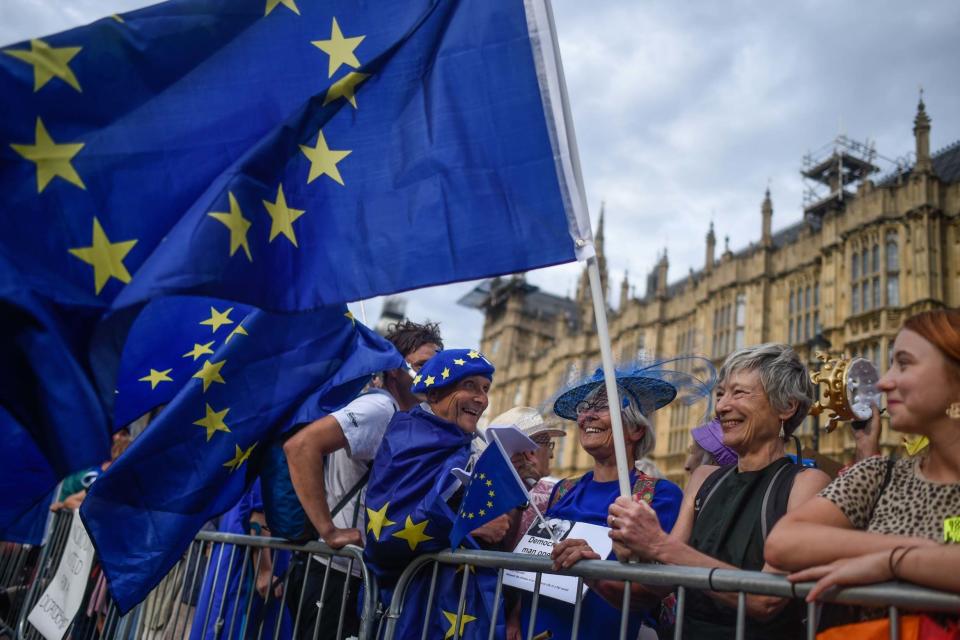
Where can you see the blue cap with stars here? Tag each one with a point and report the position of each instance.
(449, 367)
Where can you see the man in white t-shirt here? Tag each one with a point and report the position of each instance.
(329, 459)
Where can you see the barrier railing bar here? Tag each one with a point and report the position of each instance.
(245, 628)
(578, 605)
(533, 606)
(303, 593)
(266, 599)
(344, 596)
(741, 615)
(320, 603)
(811, 621)
(894, 623)
(236, 598)
(50, 550)
(219, 622)
(679, 611)
(213, 589)
(283, 601)
(462, 602)
(496, 607)
(624, 610)
(430, 593)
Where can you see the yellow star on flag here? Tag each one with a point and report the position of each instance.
(217, 319)
(156, 377)
(349, 315)
(489, 504)
(489, 483)
(429, 381)
(282, 217)
(213, 421)
(289, 4)
(346, 88)
(417, 379)
(323, 159)
(199, 350)
(413, 533)
(452, 619)
(377, 520)
(52, 159)
(118, 18)
(491, 493)
(470, 516)
(237, 224)
(239, 457)
(473, 355)
(239, 331)
(210, 373)
(105, 256)
(459, 362)
(482, 513)
(339, 49)
(445, 373)
(482, 476)
(48, 63)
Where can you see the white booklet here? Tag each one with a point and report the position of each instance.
(537, 542)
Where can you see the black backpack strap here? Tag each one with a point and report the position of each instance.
(354, 490)
(777, 496)
(887, 476)
(709, 486)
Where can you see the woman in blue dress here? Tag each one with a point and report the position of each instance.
(586, 499)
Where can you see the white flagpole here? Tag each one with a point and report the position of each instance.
(609, 377)
(554, 87)
(503, 452)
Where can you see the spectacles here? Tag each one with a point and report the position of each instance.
(597, 406)
(545, 442)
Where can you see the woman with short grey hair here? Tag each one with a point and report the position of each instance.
(763, 393)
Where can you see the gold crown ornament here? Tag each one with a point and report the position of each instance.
(851, 389)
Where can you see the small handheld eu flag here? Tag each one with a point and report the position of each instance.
(495, 488)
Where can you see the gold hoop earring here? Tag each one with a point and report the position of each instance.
(783, 432)
(953, 411)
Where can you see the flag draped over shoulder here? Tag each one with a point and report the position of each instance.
(194, 460)
(495, 488)
(408, 515)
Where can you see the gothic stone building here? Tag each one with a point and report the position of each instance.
(866, 255)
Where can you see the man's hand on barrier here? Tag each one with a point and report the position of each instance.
(634, 525)
(571, 551)
(263, 583)
(339, 538)
(494, 531)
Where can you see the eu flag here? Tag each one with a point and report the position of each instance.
(194, 460)
(278, 153)
(27, 486)
(495, 488)
(284, 154)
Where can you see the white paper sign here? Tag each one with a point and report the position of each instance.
(61, 600)
(537, 542)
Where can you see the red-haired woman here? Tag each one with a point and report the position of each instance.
(884, 509)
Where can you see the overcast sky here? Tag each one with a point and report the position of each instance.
(686, 111)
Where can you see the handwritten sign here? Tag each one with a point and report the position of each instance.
(60, 602)
(537, 542)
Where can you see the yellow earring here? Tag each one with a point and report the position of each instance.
(953, 411)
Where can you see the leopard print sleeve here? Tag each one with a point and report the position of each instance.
(855, 491)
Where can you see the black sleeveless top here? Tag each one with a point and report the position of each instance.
(728, 528)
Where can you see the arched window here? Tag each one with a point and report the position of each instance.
(893, 269)
(854, 267)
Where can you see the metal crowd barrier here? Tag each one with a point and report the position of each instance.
(170, 610)
(17, 564)
(892, 596)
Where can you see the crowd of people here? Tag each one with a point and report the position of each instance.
(379, 474)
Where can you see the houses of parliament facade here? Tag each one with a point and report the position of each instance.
(864, 257)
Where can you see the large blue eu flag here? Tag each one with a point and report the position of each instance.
(194, 460)
(278, 153)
